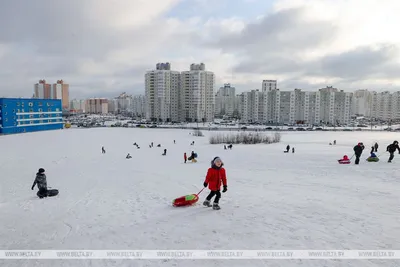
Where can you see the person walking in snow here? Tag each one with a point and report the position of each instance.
(216, 176)
(103, 151)
(391, 149)
(334, 142)
(165, 152)
(41, 182)
(185, 157)
(376, 147)
(292, 149)
(128, 156)
(358, 149)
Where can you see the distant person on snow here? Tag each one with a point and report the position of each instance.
(225, 147)
(358, 149)
(334, 142)
(372, 149)
(293, 150)
(103, 151)
(165, 152)
(185, 157)
(216, 176)
(41, 182)
(391, 149)
(376, 147)
(128, 156)
(174, 142)
(287, 149)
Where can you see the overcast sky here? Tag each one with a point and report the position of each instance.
(104, 47)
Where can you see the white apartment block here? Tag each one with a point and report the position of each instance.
(97, 105)
(384, 106)
(197, 99)
(138, 106)
(225, 101)
(78, 105)
(162, 88)
(328, 106)
(269, 85)
(362, 103)
(251, 106)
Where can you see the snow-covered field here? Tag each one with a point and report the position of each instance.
(304, 200)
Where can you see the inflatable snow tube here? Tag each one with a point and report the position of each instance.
(372, 159)
(49, 193)
(344, 161)
(185, 200)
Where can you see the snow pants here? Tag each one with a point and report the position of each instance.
(217, 195)
(357, 159)
(391, 156)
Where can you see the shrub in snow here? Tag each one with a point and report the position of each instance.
(245, 138)
(198, 133)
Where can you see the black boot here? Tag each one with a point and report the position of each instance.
(216, 206)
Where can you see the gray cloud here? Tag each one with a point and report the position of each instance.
(274, 47)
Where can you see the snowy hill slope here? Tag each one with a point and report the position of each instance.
(304, 200)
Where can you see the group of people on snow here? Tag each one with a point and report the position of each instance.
(288, 148)
(359, 148)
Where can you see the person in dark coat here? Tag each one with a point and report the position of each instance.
(103, 151)
(358, 149)
(287, 148)
(391, 149)
(165, 152)
(41, 182)
(376, 147)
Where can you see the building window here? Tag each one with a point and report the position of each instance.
(48, 104)
(5, 105)
(31, 110)
(40, 110)
(18, 104)
(40, 104)
(49, 109)
(30, 104)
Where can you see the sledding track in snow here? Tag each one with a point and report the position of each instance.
(274, 200)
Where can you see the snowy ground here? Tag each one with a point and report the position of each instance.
(278, 201)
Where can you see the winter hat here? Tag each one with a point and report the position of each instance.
(41, 170)
(215, 160)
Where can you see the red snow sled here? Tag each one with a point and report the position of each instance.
(186, 200)
(344, 160)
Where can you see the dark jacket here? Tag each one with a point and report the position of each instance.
(392, 148)
(358, 149)
(41, 181)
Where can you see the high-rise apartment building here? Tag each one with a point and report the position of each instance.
(42, 90)
(59, 90)
(197, 94)
(162, 87)
(328, 106)
(362, 103)
(269, 85)
(225, 101)
(97, 105)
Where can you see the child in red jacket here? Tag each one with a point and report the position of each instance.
(215, 176)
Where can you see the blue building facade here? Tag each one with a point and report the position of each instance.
(20, 115)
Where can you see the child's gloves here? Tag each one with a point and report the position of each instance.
(225, 189)
(205, 184)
